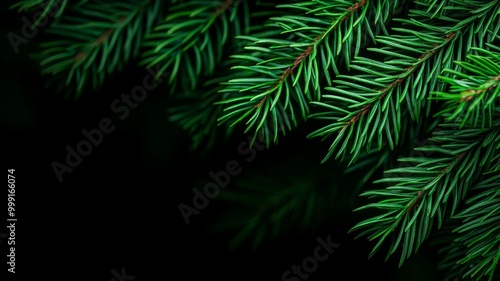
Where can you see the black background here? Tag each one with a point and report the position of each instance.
(119, 207)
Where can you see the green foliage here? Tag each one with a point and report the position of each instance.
(429, 188)
(375, 78)
(109, 36)
(470, 240)
(293, 60)
(435, 185)
(369, 104)
(194, 34)
(198, 107)
(473, 96)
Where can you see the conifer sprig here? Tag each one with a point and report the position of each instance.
(192, 39)
(368, 104)
(433, 187)
(375, 87)
(473, 96)
(295, 59)
(196, 110)
(470, 241)
(96, 40)
(422, 192)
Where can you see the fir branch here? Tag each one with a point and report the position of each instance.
(425, 190)
(472, 239)
(368, 105)
(295, 57)
(472, 95)
(191, 40)
(110, 35)
(480, 231)
(422, 192)
(197, 110)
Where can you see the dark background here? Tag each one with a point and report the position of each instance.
(119, 207)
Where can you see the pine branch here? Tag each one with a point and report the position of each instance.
(109, 36)
(427, 187)
(368, 105)
(295, 57)
(192, 39)
(421, 192)
(198, 109)
(480, 231)
(473, 95)
(472, 240)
